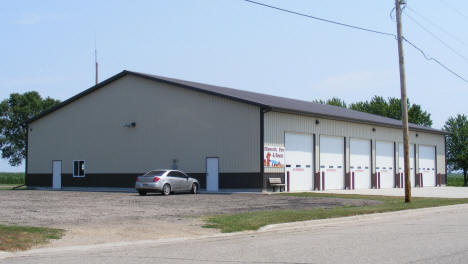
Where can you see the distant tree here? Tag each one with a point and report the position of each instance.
(457, 144)
(14, 113)
(334, 101)
(392, 108)
(417, 116)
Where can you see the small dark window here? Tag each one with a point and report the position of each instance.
(359, 167)
(298, 166)
(367, 168)
(384, 168)
(307, 166)
(288, 166)
(330, 167)
(351, 167)
(78, 168)
(378, 168)
(181, 175)
(339, 167)
(389, 168)
(172, 174)
(323, 167)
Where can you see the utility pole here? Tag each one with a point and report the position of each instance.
(404, 102)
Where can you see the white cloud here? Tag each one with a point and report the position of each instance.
(28, 19)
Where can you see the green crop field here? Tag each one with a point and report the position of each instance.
(12, 178)
(454, 179)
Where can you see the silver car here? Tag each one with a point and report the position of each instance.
(166, 182)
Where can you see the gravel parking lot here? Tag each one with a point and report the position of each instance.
(98, 217)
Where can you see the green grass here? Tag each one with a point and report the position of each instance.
(454, 179)
(14, 238)
(12, 178)
(11, 186)
(254, 220)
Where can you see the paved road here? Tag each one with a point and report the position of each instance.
(434, 235)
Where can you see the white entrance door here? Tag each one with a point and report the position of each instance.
(56, 174)
(298, 159)
(332, 161)
(427, 165)
(359, 163)
(212, 174)
(401, 163)
(384, 157)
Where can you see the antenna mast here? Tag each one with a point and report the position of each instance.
(95, 60)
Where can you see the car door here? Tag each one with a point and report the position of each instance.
(185, 183)
(174, 180)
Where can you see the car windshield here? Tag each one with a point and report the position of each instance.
(154, 173)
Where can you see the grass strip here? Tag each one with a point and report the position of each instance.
(14, 238)
(11, 186)
(254, 220)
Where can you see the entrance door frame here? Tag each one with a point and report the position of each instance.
(216, 185)
(57, 181)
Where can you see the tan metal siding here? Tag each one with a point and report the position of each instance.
(277, 123)
(171, 122)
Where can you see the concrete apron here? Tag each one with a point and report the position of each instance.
(437, 192)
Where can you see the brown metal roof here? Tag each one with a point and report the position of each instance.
(263, 100)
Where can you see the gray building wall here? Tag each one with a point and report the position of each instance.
(171, 123)
(278, 123)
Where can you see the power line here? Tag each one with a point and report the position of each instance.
(454, 9)
(321, 19)
(436, 37)
(437, 26)
(434, 59)
(363, 29)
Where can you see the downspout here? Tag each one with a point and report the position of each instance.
(445, 161)
(263, 110)
(26, 157)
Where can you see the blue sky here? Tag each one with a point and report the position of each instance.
(48, 46)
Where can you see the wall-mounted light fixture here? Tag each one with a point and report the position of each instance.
(317, 122)
(417, 135)
(131, 124)
(373, 129)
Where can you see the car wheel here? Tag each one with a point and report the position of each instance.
(166, 189)
(142, 193)
(194, 188)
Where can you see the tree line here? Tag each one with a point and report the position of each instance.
(390, 107)
(16, 110)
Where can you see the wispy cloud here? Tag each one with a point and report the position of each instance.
(30, 82)
(357, 85)
(28, 19)
(355, 80)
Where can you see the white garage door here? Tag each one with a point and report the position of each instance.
(298, 159)
(332, 161)
(384, 163)
(401, 163)
(359, 163)
(427, 165)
